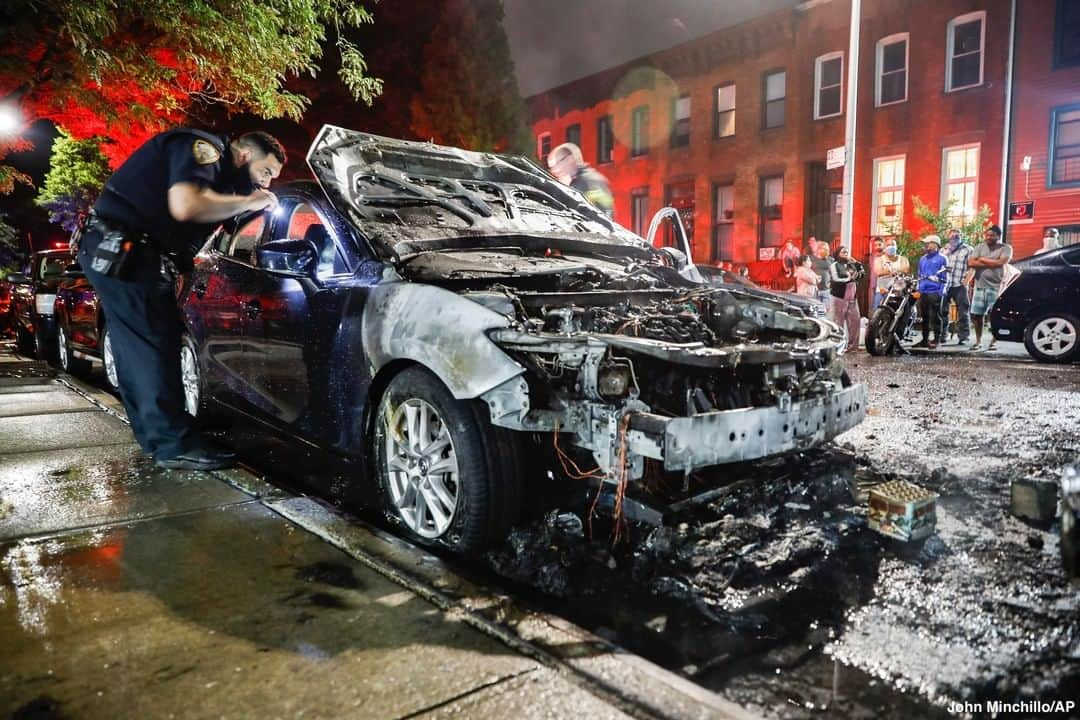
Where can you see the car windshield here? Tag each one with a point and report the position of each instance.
(52, 266)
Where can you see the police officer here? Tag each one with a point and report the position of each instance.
(152, 217)
(569, 167)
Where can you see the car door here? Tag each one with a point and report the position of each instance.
(217, 307)
(287, 329)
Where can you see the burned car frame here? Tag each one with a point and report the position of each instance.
(442, 315)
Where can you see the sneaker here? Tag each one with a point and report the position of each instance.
(198, 459)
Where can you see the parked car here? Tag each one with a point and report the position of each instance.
(7, 318)
(457, 323)
(82, 338)
(33, 295)
(1041, 306)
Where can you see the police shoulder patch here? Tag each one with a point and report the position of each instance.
(204, 152)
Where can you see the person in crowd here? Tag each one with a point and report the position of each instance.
(957, 256)
(931, 284)
(843, 286)
(806, 280)
(568, 166)
(988, 258)
(1051, 240)
(822, 264)
(886, 267)
(877, 249)
(790, 257)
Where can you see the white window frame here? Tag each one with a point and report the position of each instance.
(880, 62)
(950, 35)
(963, 217)
(818, 63)
(719, 219)
(717, 112)
(875, 228)
(540, 145)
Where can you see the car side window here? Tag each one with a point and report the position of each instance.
(307, 224)
(1072, 256)
(246, 238)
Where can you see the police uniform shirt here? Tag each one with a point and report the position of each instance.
(136, 195)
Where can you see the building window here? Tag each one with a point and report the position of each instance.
(888, 214)
(964, 51)
(723, 223)
(543, 147)
(639, 131)
(828, 85)
(775, 93)
(724, 123)
(1064, 146)
(892, 61)
(960, 182)
(680, 122)
(639, 210)
(605, 140)
(772, 211)
(573, 134)
(1067, 34)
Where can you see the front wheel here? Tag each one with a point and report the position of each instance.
(108, 360)
(68, 362)
(446, 475)
(879, 334)
(191, 379)
(1053, 338)
(24, 340)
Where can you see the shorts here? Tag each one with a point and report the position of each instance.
(983, 300)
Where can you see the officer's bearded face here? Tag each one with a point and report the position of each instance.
(262, 169)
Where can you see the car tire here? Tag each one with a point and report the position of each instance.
(43, 348)
(108, 360)
(191, 380)
(875, 344)
(68, 362)
(421, 427)
(1053, 337)
(24, 341)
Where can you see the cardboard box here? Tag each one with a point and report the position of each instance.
(902, 510)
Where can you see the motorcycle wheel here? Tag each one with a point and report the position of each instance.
(879, 336)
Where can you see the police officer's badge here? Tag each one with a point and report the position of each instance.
(205, 153)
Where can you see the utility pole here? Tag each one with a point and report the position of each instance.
(849, 132)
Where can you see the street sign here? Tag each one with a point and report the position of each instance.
(835, 157)
(1022, 213)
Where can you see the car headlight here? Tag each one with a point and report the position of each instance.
(44, 304)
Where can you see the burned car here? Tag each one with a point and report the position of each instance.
(458, 323)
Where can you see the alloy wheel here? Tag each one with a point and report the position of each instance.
(62, 348)
(422, 468)
(1055, 337)
(189, 377)
(109, 361)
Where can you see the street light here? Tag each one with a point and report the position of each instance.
(10, 119)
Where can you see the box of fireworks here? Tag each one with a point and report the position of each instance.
(901, 510)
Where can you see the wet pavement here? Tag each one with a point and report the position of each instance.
(773, 593)
(129, 591)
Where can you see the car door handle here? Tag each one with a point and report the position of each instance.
(252, 308)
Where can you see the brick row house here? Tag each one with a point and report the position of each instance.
(734, 128)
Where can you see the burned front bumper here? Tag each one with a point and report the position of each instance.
(716, 438)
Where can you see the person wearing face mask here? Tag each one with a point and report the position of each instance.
(886, 267)
(152, 217)
(931, 283)
(957, 256)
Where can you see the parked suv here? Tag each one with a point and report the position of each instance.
(82, 339)
(33, 295)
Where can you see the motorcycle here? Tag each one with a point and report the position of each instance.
(894, 317)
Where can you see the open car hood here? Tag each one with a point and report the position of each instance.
(410, 197)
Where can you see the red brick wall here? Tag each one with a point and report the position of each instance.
(1038, 89)
(791, 39)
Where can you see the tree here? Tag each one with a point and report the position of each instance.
(9, 247)
(940, 223)
(469, 95)
(77, 172)
(125, 70)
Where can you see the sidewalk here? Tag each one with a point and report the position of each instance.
(128, 591)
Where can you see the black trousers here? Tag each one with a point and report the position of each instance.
(144, 322)
(929, 311)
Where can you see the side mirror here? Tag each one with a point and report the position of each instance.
(295, 257)
(18, 279)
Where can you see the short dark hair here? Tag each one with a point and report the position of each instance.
(996, 229)
(265, 142)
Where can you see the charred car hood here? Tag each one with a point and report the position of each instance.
(408, 197)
